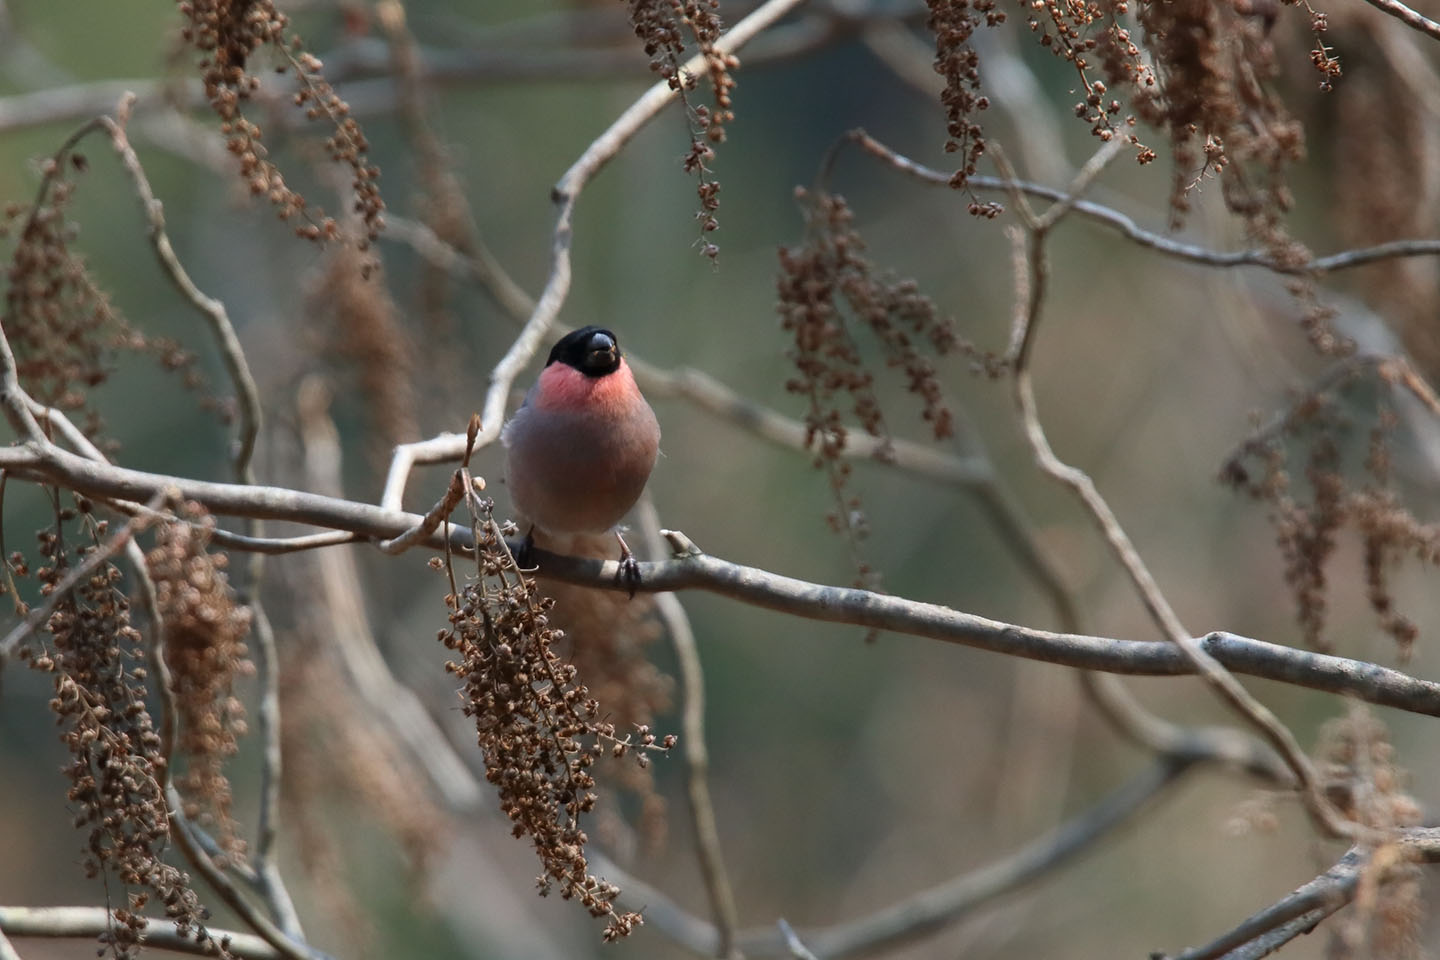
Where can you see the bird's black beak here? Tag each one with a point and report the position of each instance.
(603, 353)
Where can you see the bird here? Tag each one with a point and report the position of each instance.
(581, 447)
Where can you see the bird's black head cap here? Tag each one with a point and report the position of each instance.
(593, 351)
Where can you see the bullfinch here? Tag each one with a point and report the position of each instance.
(581, 446)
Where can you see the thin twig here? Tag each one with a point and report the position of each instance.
(793, 943)
(1324, 814)
(422, 531)
(1411, 18)
(1298, 912)
(7, 949)
(1159, 242)
(692, 742)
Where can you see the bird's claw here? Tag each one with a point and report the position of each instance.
(629, 572)
(524, 555)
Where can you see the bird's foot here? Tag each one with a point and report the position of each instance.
(524, 556)
(629, 572)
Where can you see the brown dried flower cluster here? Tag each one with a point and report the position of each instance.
(818, 284)
(1357, 764)
(1307, 527)
(60, 323)
(116, 766)
(204, 644)
(1213, 93)
(609, 635)
(228, 34)
(539, 730)
(662, 26)
(1082, 33)
(954, 22)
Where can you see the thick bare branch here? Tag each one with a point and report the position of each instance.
(89, 922)
(762, 588)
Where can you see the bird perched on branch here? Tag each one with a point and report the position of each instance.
(581, 446)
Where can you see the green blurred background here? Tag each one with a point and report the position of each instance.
(846, 775)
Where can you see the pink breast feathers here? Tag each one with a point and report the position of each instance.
(563, 388)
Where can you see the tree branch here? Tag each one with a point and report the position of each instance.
(1030, 298)
(1411, 18)
(1298, 912)
(77, 922)
(762, 588)
(1160, 243)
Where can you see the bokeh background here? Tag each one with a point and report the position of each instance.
(846, 774)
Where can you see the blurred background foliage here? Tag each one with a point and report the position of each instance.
(846, 774)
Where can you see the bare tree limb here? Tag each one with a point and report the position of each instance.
(762, 588)
(78, 922)
(1411, 18)
(1160, 243)
(1298, 912)
(944, 904)
(793, 943)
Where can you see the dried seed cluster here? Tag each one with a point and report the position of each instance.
(1082, 33)
(228, 34)
(954, 22)
(116, 763)
(60, 323)
(662, 26)
(1214, 66)
(609, 635)
(1306, 528)
(539, 730)
(204, 635)
(819, 283)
